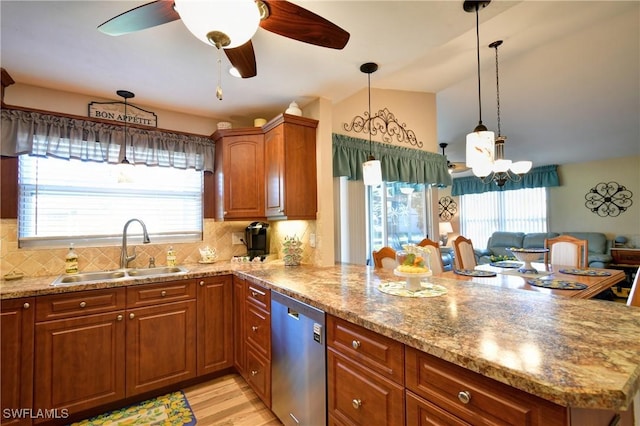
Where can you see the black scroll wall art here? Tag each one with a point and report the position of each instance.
(447, 207)
(608, 199)
(385, 123)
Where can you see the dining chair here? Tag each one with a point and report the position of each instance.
(465, 257)
(567, 251)
(435, 257)
(634, 293)
(384, 258)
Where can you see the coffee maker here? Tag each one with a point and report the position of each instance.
(256, 239)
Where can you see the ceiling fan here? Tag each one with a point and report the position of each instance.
(453, 167)
(217, 21)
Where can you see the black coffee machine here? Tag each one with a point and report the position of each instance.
(256, 239)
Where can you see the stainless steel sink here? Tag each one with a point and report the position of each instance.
(106, 276)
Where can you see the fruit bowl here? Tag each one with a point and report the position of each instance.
(527, 256)
(412, 266)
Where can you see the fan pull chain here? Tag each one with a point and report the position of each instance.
(219, 88)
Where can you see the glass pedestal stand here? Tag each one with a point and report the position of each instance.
(412, 280)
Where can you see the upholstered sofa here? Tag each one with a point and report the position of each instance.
(500, 242)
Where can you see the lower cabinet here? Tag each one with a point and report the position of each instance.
(215, 324)
(257, 340)
(239, 345)
(16, 360)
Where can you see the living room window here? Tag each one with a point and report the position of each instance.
(522, 210)
(87, 203)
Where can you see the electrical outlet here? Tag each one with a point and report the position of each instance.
(312, 240)
(236, 237)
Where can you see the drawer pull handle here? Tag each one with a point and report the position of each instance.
(163, 293)
(256, 293)
(464, 397)
(83, 304)
(254, 372)
(119, 317)
(254, 328)
(355, 344)
(132, 315)
(201, 283)
(26, 306)
(357, 403)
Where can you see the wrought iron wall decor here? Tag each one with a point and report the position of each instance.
(447, 207)
(386, 123)
(608, 199)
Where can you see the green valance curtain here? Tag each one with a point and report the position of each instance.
(537, 177)
(42, 134)
(399, 164)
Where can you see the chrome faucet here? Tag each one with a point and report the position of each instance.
(124, 256)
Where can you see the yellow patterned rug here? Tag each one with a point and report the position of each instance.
(171, 409)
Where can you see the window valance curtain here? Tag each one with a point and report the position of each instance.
(37, 133)
(399, 164)
(538, 177)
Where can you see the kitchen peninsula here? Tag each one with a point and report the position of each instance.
(583, 354)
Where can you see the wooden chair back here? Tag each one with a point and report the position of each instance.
(384, 258)
(435, 257)
(465, 257)
(634, 294)
(566, 250)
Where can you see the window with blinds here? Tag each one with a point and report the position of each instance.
(87, 203)
(522, 210)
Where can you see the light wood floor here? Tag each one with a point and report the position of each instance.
(226, 401)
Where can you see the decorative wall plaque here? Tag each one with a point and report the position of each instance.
(608, 199)
(447, 207)
(115, 111)
(385, 123)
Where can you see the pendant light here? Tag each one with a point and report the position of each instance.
(371, 169)
(480, 142)
(125, 94)
(502, 169)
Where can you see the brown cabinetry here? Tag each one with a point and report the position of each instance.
(215, 324)
(257, 335)
(290, 168)
(365, 376)
(16, 359)
(239, 174)
(239, 345)
(439, 392)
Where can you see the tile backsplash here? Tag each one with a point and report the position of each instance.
(45, 262)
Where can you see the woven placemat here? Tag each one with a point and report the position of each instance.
(474, 273)
(557, 284)
(398, 288)
(585, 272)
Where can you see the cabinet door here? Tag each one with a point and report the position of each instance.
(274, 171)
(240, 179)
(238, 325)
(259, 375)
(421, 412)
(80, 362)
(161, 345)
(16, 359)
(215, 328)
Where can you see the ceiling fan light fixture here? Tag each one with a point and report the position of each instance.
(234, 72)
(222, 23)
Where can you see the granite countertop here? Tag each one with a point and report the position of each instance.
(576, 353)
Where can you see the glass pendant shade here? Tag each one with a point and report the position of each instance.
(372, 172)
(521, 167)
(480, 148)
(238, 20)
(482, 170)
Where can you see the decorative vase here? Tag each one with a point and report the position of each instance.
(292, 249)
(293, 109)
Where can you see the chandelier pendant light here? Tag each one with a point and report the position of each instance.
(371, 169)
(480, 142)
(125, 94)
(502, 170)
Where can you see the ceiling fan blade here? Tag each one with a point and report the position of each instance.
(243, 59)
(292, 21)
(140, 18)
(458, 167)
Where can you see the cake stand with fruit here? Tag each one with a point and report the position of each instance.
(411, 266)
(528, 255)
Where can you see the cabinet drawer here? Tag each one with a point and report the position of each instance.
(259, 375)
(258, 330)
(66, 305)
(383, 355)
(421, 412)
(358, 396)
(259, 296)
(475, 398)
(152, 294)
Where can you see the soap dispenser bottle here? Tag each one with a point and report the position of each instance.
(71, 261)
(171, 256)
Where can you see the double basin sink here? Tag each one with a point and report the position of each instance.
(119, 274)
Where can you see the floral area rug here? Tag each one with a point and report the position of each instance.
(171, 409)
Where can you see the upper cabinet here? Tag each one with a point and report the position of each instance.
(239, 174)
(290, 168)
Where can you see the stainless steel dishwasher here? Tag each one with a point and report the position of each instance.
(298, 357)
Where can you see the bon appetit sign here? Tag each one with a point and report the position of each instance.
(115, 111)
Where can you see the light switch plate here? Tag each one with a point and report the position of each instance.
(236, 237)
